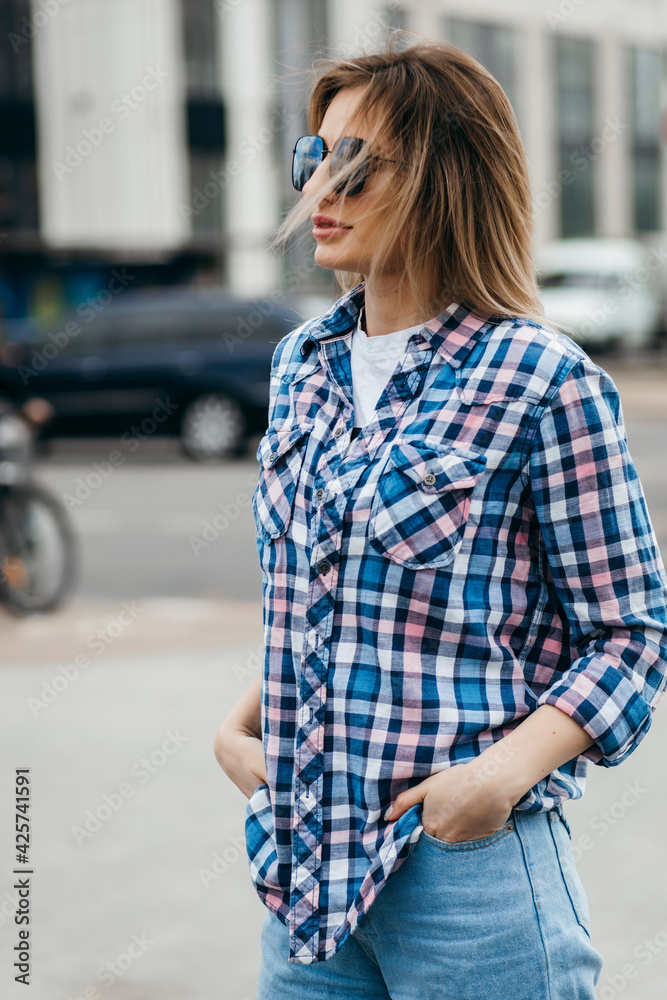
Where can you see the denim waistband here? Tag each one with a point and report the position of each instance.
(557, 810)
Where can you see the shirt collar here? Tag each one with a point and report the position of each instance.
(454, 332)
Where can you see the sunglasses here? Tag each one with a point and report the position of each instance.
(310, 151)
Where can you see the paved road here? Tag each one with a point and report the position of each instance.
(165, 872)
(159, 525)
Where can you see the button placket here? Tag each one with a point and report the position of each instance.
(307, 820)
(309, 777)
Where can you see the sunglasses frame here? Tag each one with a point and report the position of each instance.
(357, 180)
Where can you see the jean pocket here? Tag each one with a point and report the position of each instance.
(421, 505)
(568, 869)
(280, 454)
(470, 845)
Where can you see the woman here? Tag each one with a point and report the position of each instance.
(464, 603)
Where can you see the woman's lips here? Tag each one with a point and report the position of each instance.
(324, 232)
(324, 227)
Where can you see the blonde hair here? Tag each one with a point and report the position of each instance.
(458, 209)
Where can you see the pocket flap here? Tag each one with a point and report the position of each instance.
(435, 470)
(279, 440)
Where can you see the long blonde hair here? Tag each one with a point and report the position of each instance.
(460, 210)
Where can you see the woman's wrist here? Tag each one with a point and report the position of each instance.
(496, 774)
(543, 742)
(228, 745)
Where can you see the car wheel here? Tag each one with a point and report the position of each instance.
(213, 427)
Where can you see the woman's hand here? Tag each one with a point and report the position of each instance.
(238, 744)
(241, 756)
(473, 800)
(461, 803)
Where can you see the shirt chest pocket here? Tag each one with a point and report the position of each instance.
(420, 509)
(280, 454)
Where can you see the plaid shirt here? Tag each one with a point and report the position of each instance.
(483, 548)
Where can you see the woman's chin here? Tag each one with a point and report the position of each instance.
(327, 256)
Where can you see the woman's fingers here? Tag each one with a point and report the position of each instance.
(242, 759)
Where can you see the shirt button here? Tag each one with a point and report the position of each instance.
(338, 431)
(319, 494)
(272, 456)
(324, 566)
(429, 479)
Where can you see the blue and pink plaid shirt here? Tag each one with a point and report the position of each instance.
(481, 549)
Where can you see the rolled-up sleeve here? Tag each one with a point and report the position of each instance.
(603, 560)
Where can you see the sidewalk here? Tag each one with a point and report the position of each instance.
(134, 627)
(138, 839)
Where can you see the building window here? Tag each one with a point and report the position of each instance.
(575, 122)
(18, 172)
(201, 52)
(204, 113)
(302, 36)
(493, 45)
(646, 117)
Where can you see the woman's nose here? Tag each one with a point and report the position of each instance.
(315, 180)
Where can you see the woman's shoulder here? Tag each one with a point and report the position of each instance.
(523, 358)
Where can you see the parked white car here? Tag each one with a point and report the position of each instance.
(601, 290)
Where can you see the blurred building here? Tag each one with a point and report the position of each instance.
(156, 135)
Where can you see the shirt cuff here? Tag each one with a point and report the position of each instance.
(607, 705)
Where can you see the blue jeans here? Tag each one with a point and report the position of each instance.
(502, 918)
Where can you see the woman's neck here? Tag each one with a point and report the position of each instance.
(385, 311)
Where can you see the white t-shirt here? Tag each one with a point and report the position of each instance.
(373, 360)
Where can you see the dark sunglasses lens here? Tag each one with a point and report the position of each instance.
(306, 159)
(343, 152)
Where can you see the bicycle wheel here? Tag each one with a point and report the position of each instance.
(38, 550)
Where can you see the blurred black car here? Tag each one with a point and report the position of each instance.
(193, 362)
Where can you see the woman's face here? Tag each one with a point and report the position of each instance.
(350, 248)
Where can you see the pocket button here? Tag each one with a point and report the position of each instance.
(429, 479)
